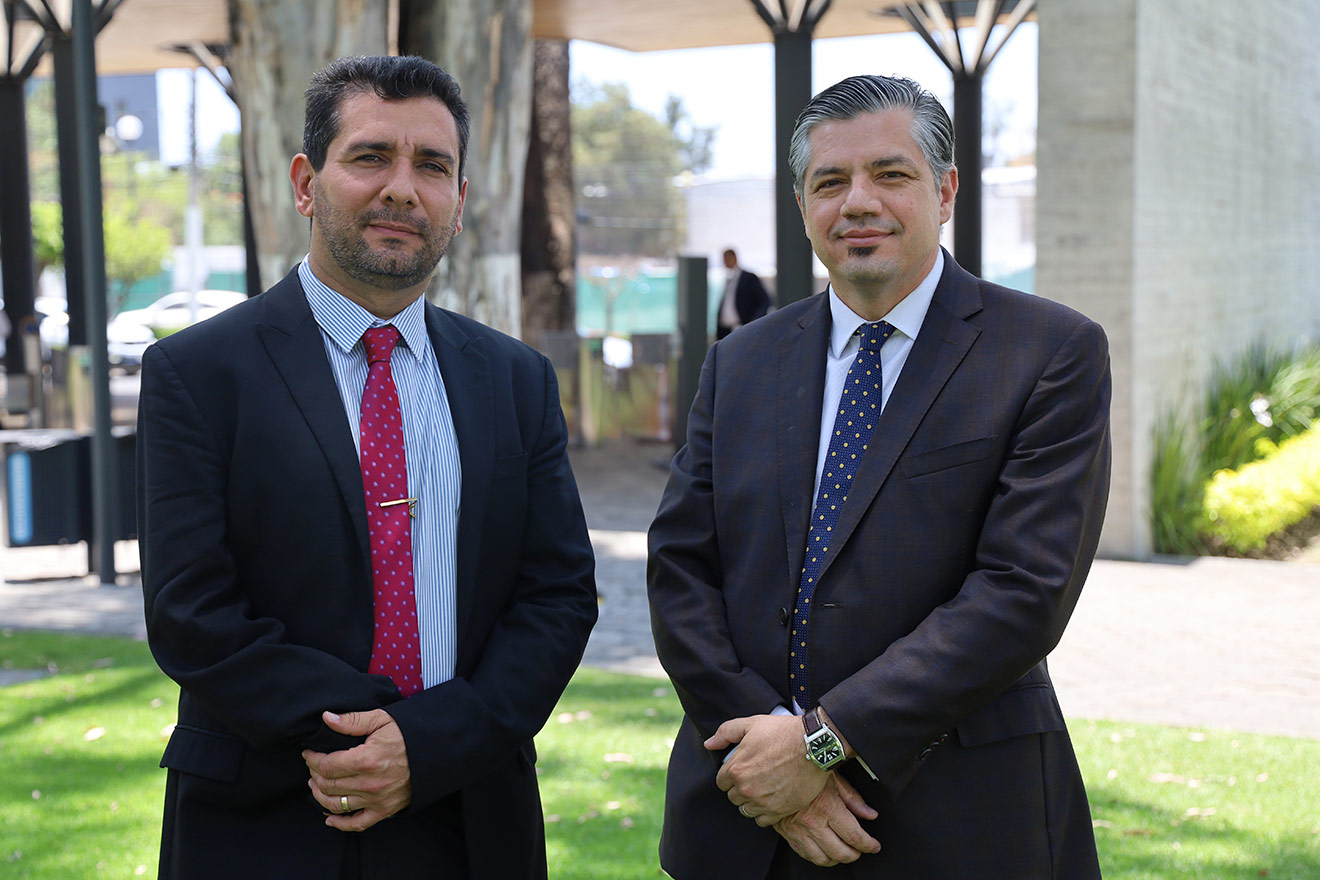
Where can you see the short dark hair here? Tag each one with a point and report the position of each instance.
(391, 78)
(850, 98)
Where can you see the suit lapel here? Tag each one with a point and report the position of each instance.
(293, 340)
(800, 387)
(470, 392)
(941, 344)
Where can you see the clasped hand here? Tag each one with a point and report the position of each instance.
(374, 776)
(771, 780)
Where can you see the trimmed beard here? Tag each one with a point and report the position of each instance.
(386, 270)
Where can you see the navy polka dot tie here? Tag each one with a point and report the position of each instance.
(395, 649)
(859, 409)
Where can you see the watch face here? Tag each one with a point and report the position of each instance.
(826, 750)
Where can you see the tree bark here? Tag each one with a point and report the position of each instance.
(276, 46)
(487, 46)
(549, 299)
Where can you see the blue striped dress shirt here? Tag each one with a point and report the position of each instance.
(430, 447)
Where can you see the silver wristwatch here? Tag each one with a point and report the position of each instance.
(823, 747)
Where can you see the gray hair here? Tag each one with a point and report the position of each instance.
(852, 97)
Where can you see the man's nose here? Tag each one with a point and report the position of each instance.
(860, 200)
(400, 187)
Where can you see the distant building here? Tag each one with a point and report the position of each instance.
(135, 96)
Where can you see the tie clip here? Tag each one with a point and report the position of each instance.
(411, 502)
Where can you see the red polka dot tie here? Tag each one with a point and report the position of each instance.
(859, 409)
(395, 649)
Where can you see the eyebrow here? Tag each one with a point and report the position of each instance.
(389, 147)
(874, 165)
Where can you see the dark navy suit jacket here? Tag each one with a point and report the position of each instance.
(961, 551)
(255, 568)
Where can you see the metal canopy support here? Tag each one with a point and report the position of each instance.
(105, 491)
(66, 127)
(693, 342)
(16, 249)
(212, 57)
(967, 91)
(23, 42)
(793, 22)
(937, 24)
(792, 92)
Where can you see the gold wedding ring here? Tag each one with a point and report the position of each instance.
(343, 803)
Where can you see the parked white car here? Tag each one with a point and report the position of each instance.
(173, 311)
(131, 331)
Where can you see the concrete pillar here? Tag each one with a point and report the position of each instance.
(1178, 202)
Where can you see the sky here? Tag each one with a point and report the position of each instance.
(730, 88)
(733, 87)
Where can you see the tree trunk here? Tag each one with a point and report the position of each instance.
(549, 299)
(487, 46)
(276, 46)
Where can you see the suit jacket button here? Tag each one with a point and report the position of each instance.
(783, 617)
(925, 753)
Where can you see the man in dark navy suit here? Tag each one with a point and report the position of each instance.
(889, 499)
(361, 674)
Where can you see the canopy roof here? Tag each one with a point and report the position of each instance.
(139, 36)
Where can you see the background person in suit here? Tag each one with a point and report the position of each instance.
(958, 454)
(745, 298)
(360, 649)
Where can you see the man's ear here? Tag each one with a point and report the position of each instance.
(301, 175)
(948, 194)
(462, 198)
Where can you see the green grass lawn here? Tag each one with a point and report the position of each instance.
(80, 792)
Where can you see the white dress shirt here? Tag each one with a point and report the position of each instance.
(430, 450)
(906, 319)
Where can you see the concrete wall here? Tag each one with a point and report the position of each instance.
(1178, 198)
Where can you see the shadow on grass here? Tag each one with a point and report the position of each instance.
(72, 810)
(51, 707)
(602, 776)
(603, 829)
(1138, 840)
(649, 704)
(71, 652)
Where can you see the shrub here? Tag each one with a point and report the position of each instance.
(1253, 404)
(1243, 508)
(1177, 480)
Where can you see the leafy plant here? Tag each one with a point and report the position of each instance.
(135, 248)
(1235, 406)
(1253, 404)
(1177, 478)
(1244, 508)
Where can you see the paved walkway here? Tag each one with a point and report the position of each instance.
(1210, 642)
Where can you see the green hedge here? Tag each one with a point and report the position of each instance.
(1244, 507)
(1253, 405)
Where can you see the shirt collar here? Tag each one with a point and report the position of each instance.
(344, 321)
(906, 317)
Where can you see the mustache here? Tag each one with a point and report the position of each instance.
(401, 218)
